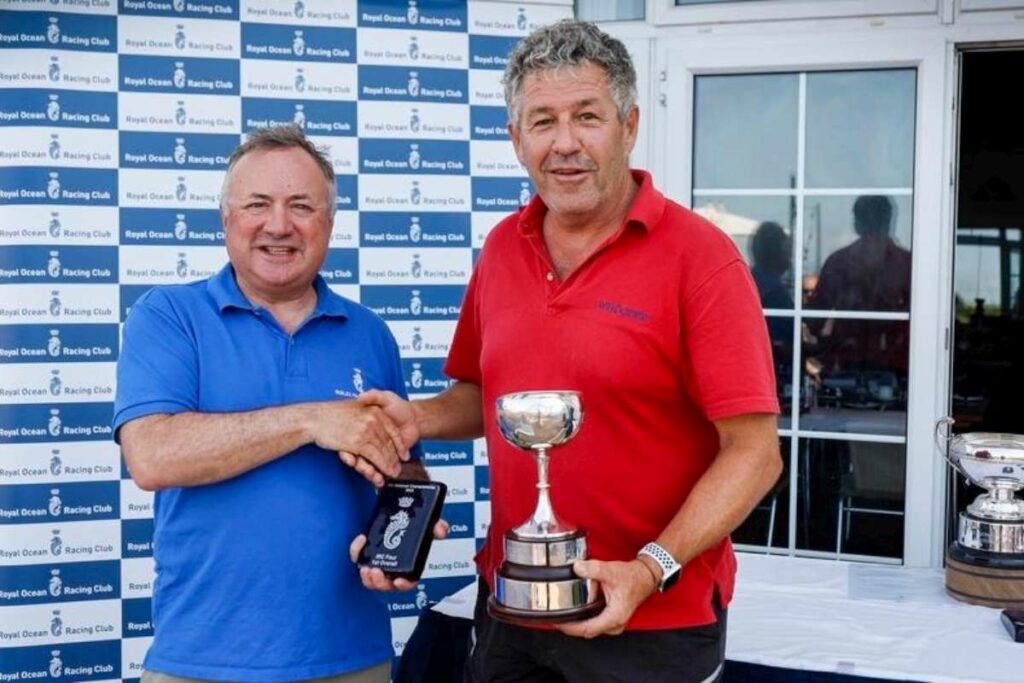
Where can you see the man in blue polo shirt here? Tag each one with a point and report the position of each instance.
(234, 404)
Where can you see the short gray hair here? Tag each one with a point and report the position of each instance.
(282, 137)
(570, 43)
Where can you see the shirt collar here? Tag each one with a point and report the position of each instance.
(226, 294)
(646, 210)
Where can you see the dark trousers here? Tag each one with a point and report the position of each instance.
(502, 653)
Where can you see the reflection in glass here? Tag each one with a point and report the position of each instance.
(856, 253)
(609, 10)
(851, 497)
(768, 523)
(874, 111)
(745, 131)
(762, 228)
(780, 332)
(855, 375)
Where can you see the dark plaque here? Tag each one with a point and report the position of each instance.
(402, 527)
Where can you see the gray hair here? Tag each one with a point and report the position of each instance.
(570, 43)
(282, 137)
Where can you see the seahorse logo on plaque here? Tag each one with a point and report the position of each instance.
(398, 525)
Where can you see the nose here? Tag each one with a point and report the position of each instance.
(278, 223)
(566, 141)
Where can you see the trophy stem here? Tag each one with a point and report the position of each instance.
(543, 523)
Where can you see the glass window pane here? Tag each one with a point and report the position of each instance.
(860, 128)
(710, 2)
(855, 376)
(609, 10)
(780, 332)
(856, 253)
(762, 228)
(851, 497)
(745, 131)
(768, 523)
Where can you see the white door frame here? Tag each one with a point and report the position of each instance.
(683, 58)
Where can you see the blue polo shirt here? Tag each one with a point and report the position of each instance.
(253, 579)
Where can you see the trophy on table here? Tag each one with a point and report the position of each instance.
(985, 565)
(536, 583)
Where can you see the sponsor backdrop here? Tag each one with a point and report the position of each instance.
(116, 120)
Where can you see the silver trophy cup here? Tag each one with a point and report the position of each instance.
(985, 565)
(535, 583)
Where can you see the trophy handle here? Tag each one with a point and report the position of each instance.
(943, 432)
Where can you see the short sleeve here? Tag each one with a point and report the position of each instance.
(157, 369)
(464, 356)
(726, 339)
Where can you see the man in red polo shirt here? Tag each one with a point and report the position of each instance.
(604, 286)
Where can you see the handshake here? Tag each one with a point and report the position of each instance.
(372, 433)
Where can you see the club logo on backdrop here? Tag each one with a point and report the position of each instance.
(300, 116)
(54, 70)
(54, 224)
(415, 231)
(414, 193)
(414, 49)
(180, 153)
(421, 598)
(415, 303)
(413, 13)
(53, 185)
(53, 506)
(178, 78)
(56, 543)
(56, 624)
(414, 84)
(56, 665)
(181, 189)
(182, 266)
(299, 44)
(300, 80)
(53, 425)
(180, 227)
(179, 5)
(179, 36)
(414, 157)
(524, 194)
(56, 586)
(179, 113)
(300, 9)
(414, 121)
(416, 376)
(417, 339)
(55, 306)
(53, 264)
(56, 464)
(54, 147)
(55, 383)
(53, 31)
(53, 345)
(416, 268)
(53, 108)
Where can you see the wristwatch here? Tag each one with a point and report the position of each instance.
(670, 569)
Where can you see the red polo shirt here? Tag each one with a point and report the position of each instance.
(661, 331)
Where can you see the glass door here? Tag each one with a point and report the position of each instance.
(812, 166)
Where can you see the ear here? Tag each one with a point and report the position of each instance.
(630, 126)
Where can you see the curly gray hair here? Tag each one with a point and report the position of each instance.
(282, 137)
(569, 43)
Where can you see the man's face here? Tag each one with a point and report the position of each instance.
(277, 223)
(569, 137)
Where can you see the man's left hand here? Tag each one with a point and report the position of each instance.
(374, 578)
(624, 584)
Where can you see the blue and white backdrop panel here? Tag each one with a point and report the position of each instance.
(116, 121)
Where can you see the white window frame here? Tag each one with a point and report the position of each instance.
(667, 12)
(682, 59)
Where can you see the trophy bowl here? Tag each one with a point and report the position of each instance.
(985, 564)
(536, 583)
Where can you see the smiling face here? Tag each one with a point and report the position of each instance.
(277, 223)
(574, 146)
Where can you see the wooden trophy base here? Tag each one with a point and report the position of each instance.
(984, 578)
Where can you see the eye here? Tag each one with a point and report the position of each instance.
(589, 116)
(302, 208)
(542, 123)
(255, 205)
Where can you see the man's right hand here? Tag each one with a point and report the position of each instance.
(364, 436)
(398, 409)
